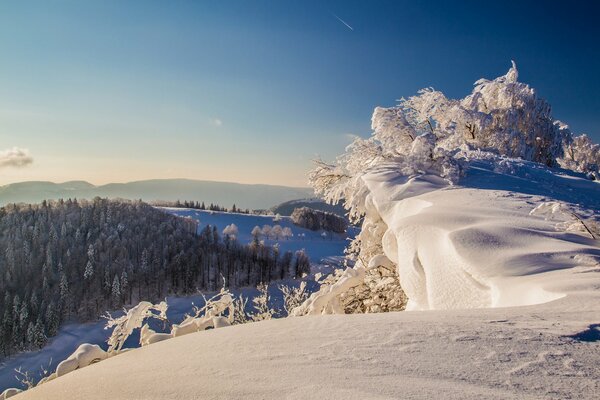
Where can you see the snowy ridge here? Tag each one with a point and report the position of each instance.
(464, 247)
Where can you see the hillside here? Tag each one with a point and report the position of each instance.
(319, 245)
(324, 253)
(223, 193)
(288, 207)
(518, 353)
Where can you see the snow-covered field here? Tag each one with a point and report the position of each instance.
(319, 245)
(514, 353)
(457, 248)
(325, 253)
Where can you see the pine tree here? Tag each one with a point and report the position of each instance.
(116, 287)
(89, 270)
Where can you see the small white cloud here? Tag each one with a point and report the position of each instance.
(216, 122)
(15, 157)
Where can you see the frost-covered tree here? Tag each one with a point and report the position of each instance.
(277, 232)
(287, 233)
(429, 132)
(231, 231)
(266, 231)
(256, 233)
(581, 155)
(116, 287)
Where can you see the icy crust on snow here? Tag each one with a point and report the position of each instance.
(470, 246)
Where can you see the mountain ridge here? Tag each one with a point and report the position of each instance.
(224, 193)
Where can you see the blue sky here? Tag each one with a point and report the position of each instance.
(251, 91)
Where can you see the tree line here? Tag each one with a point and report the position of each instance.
(74, 259)
(196, 205)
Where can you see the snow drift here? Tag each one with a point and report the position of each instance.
(463, 246)
(450, 192)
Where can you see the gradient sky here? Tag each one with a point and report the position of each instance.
(251, 91)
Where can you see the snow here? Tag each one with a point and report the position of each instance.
(511, 353)
(85, 355)
(464, 247)
(318, 248)
(505, 305)
(498, 256)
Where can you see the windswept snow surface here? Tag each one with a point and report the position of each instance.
(476, 244)
(511, 353)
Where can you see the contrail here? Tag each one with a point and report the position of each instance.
(343, 22)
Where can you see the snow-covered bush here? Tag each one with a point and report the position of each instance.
(582, 155)
(261, 304)
(218, 311)
(293, 297)
(86, 354)
(124, 325)
(429, 133)
(231, 231)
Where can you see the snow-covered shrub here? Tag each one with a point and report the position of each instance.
(293, 297)
(582, 155)
(86, 354)
(10, 392)
(238, 311)
(261, 304)
(124, 325)
(327, 299)
(218, 311)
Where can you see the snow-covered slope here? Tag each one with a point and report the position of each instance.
(319, 245)
(325, 253)
(514, 353)
(477, 244)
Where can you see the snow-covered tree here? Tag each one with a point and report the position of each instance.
(256, 233)
(231, 231)
(116, 287)
(429, 132)
(277, 232)
(266, 231)
(287, 233)
(89, 270)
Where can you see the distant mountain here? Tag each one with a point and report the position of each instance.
(222, 193)
(287, 208)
